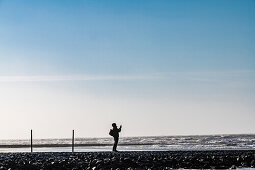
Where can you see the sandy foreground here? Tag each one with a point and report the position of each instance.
(217, 159)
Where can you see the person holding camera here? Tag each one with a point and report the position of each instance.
(114, 132)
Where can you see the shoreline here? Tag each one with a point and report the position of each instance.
(69, 145)
(219, 159)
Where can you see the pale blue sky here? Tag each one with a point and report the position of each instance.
(158, 67)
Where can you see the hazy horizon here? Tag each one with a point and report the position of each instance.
(159, 68)
(80, 137)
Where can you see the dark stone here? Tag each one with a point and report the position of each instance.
(130, 160)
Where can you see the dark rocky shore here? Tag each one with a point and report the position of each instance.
(130, 160)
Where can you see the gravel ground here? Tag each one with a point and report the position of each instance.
(130, 160)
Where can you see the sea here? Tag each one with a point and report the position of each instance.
(149, 143)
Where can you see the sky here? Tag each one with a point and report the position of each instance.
(157, 67)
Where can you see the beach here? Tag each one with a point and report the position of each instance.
(145, 143)
(216, 159)
(160, 152)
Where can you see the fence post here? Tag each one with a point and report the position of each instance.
(73, 142)
(31, 140)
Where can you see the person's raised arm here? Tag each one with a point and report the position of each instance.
(120, 128)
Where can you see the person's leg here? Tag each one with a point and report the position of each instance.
(115, 144)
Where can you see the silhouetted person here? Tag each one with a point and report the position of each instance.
(114, 132)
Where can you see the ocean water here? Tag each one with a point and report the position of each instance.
(152, 143)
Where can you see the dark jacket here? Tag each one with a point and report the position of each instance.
(116, 132)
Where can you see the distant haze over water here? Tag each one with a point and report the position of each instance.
(205, 142)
